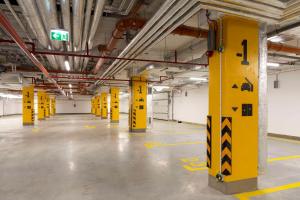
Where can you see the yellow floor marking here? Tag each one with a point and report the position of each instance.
(283, 158)
(286, 140)
(192, 169)
(35, 130)
(90, 127)
(151, 145)
(248, 195)
(193, 164)
(157, 134)
(192, 159)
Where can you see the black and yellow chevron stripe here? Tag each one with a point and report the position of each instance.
(208, 147)
(226, 146)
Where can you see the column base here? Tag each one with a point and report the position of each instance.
(103, 117)
(137, 130)
(235, 187)
(28, 123)
(98, 115)
(114, 121)
(42, 119)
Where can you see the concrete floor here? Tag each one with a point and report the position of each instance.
(70, 157)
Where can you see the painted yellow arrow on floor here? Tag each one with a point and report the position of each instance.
(151, 145)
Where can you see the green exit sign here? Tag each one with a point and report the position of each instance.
(59, 35)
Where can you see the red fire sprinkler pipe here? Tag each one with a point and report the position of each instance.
(6, 25)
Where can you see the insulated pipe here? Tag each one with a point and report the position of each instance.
(97, 16)
(78, 14)
(150, 23)
(65, 8)
(32, 16)
(48, 12)
(137, 23)
(154, 25)
(283, 48)
(188, 14)
(164, 34)
(5, 24)
(17, 19)
(87, 18)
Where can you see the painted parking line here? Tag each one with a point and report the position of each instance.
(285, 140)
(193, 164)
(157, 134)
(151, 145)
(283, 158)
(89, 127)
(248, 195)
(35, 130)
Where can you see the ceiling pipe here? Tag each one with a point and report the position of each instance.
(137, 23)
(87, 18)
(78, 15)
(117, 34)
(49, 17)
(99, 7)
(6, 26)
(32, 16)
(74, 54)
(165, 21)
(283, 48)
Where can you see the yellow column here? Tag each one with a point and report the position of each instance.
(114, 105)
(104, 108)
(93, 106)
(41, 104)
(98, 106)
(52, 106)
(47, 105)
(28, 105)
(138, 104)
(232, 124)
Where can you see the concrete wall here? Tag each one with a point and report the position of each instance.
(191, 105)
(65, 106)
(284, 104)
(10, 106)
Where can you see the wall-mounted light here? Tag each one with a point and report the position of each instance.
(67, 65)
(70, 85)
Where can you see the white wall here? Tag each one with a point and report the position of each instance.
(284, 104)
(10, 106)
(65, 106)
(124, 104)
(193, 107)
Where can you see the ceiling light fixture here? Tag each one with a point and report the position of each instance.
(70, 85)
(275, 38)
(269, 64)
(67, 65)
(198, 79)
(160, 87)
